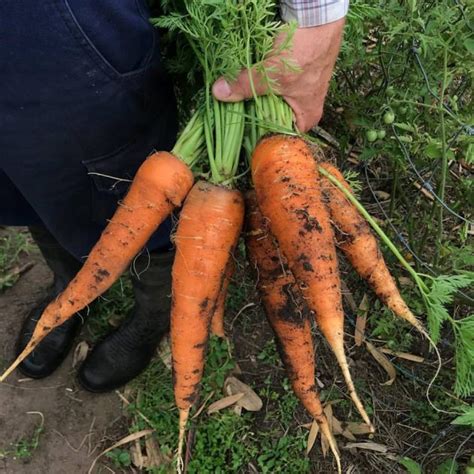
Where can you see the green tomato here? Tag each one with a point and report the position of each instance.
(390, 91)
(403, 110)
(381, 134)
(371, 135)
(388, 117)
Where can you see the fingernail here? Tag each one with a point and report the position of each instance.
(221, 89)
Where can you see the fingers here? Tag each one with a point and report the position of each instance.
(240, 89)
(307, 113)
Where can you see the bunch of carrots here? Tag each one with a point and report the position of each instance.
(290, 210)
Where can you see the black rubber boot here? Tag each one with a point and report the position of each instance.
(49, 354)
(127, 351)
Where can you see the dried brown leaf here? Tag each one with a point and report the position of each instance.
(369, 445)
(348, 435)
(338, 428)
(328, 413)
(406, 282)
(154, 457)
(137, 455)
(403, 355)
(313, 434)
(383, 361)
(250, 401)
(80, 353)
(357, 428)
(125, 440)
(164, 351)
(224, 403)
(361, 320)
(237, 370)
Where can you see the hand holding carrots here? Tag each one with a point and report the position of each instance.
(313, 52)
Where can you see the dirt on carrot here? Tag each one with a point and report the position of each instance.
(288, 192)
(287, 314)
(208, 230)
(355, 239)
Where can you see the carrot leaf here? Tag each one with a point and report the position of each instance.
(441, 293)
(466, 418)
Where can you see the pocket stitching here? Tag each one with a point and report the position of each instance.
(94, 54)
(97, 180)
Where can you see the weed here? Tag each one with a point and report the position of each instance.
(110, 309)
(24, 448)
(120, 457)
(12, 246)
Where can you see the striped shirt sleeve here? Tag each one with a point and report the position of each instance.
(313, 12)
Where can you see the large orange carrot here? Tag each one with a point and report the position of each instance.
(217, 325)
(288, 192)
(355, 239)
(160, 184)
(208, 230)
(287, 314)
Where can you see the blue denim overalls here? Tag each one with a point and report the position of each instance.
(83, 99)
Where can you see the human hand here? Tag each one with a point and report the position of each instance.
(314, 50)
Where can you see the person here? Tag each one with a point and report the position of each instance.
(84, 99)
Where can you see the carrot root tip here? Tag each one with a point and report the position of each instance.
(24, 354)
(353, 393)
(326, 432)
(183, 420)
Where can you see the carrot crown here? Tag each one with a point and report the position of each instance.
(226, 36)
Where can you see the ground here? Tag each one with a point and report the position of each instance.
(69, 425)
(53, 426)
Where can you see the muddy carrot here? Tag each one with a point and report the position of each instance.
(208, 230)
(288, 192)
(355, 239)
(287, 314)
(159, 186)
(217, 325)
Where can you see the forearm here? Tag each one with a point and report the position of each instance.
(309, 13)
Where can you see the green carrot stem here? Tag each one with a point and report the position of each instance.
(190, 144)
(376, 228)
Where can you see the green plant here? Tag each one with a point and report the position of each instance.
(120, 457)
(24, 448)
(437, 293)
(110, 309)
(12, 246)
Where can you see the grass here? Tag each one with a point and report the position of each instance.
(110, 309)
(24, 448)
(13, 245)
(224, 441)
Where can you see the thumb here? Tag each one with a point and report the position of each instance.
(238, 90)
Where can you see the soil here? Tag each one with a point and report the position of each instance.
(399, 411)
(77, 425)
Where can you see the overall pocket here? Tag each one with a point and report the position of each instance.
(115, 35)
(110, 177)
